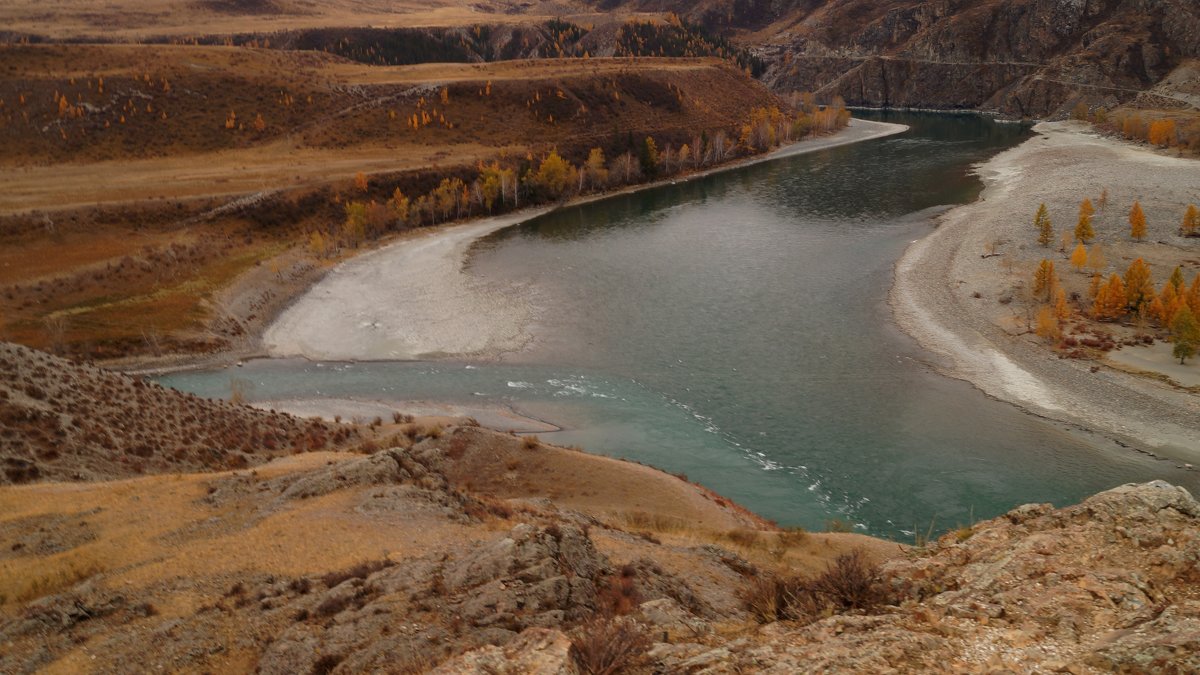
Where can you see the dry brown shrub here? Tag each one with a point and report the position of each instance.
(608, 646)
(849, 583)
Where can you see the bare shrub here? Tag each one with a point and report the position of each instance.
(849, 583)
(619, 595)
(531, 442)
(605, 647)
(360, 571)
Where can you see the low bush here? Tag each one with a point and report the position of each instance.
(849, 583)
(605, 647)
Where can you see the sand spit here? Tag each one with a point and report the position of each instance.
(414, 300)
(983, 340)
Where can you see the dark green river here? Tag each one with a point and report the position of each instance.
(735, 329)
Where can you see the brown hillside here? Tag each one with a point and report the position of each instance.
(120, 237)
(61, 421)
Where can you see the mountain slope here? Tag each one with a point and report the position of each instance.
(1021, 57)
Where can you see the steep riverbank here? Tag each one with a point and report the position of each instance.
(953, 300)
(414, 299)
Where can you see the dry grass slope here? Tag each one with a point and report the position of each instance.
(61, 421)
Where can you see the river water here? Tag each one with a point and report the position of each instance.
(735, 329)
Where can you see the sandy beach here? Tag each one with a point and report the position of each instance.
(414, 300)
(961, 306)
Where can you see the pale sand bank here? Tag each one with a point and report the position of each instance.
(414, 300)
(983, 341)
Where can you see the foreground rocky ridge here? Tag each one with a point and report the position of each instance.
(1104, 586)
(457, 549)
(260, 574)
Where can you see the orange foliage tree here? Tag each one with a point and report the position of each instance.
(1138, 286)
(1137, 222)
(1110, 300)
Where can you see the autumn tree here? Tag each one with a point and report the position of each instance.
(447, 197)
(1185, 333)
(1062, 310)
(594, 169)
(1162, 133)
(1086, 208)
(400, 207)
(1079, 257)
(648, 157)
(1044, 280)
(1110, 302)
(1138, 286)
(1045, 228)
(1137, 222)
(1083, 229)
(1191, 222)
(1176, 279)
(491, 185)
(259, 124)
(354, 227)
(378, 218)
(1047, 324)
(1102, 201)
(1164, 306)
(360, 182)
(554, 175)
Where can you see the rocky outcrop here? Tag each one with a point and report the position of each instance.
(1104, 586)
(1020, 57)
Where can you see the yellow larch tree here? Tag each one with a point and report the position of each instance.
(1041, 221)
(1139, 287)
(1079, 257)
(361, 183)
(1137, 222)
(1048, 324)
(1110, 301)
(1086, 208)
(1044, 280)
(1062, 310)
(1191, 222)
(1083, 229)
(1193, 294)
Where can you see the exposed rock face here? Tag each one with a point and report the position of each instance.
(1108, 585)
(1021, 57)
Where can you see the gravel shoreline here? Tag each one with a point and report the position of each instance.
(982, 340)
